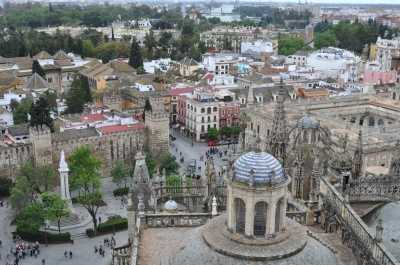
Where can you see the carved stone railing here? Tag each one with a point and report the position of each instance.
(121, 255)
(364, 237)
(177, 220)
(376, 185)
(299, 217)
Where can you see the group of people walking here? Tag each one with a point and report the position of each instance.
(21, 250)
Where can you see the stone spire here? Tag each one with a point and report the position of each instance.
(394, 169)
(358, 155)
(250, 96)
(279, 135)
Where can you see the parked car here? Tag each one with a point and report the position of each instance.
(213, 143)
(223, 142)
(234, 141)
(192, 163)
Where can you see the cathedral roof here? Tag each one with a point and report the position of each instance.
(266, 168)
(308, 122)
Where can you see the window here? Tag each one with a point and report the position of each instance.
(203, 110)
(242, 100)
(223, 112)
(251, 126)
(236, 111)
(215, 109)
(258, 128)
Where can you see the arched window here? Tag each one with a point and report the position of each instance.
(240, 216)
(209, 110)
(394, 95)
(313, 137)
(381, 122)
(305, 137)
(371, 121)
(191, 107)
(260, 219)
(361, 120)
(203, 110)
(278, 215)
(215, 109)
(353, 120)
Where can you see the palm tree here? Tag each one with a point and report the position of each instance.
(243, 118)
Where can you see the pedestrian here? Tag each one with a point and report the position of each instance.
(176, 150)
(103, 253)
(180, 153)
(70, 254)
(99, 219)
(95, 249)
(1, 203)
(1, 244)
(36, 253)
(185, 152)
(43, 261)
(205, 162)
(192, 144)
(66, 254)
(219, 174)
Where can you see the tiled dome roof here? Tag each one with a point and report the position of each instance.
(308, 122)
(264, 165)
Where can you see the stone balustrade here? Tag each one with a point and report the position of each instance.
(357, 227)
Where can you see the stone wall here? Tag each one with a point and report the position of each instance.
(158, 134)
(107, 147)
(12, 158)
(41, 142)
(178, 219)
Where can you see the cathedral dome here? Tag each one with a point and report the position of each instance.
(341, 161)
(266, 168)
(308, 122)
(171, 206)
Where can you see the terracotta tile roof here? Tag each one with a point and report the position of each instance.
(178, 91)
(90, 118)
(121, 67)
(63, 62)
(61, 55)
(20, 129)
(43, 55)
(24, 66)
(74, 134)
(187, 61)
(36, 82)
(121, 128)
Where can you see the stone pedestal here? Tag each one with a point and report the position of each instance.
(63, 169)
(310, 217)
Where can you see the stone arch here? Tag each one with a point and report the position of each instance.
(353, 119)
(361, 121)
(381, 122)
(371, 121)
(305, 136)
(260, 219)
(279, 209)
(240, 206)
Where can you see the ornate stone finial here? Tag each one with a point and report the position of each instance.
(214, 207)
(251, 182)
(272, 173)
(379, 231)
(63, 164)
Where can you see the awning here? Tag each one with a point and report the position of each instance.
(182, 128)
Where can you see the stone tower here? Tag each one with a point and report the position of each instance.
(41, 143)
(113, 102)
(279, 135)
(157, 123)
(358, 156)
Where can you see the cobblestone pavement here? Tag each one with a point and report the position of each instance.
(184, 144)
(82, 249)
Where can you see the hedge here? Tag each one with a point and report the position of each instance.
(113, 225)
(89, 232)
(30, 235)
(121, 191)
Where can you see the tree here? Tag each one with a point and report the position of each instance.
(213, 133)
(37, 68)
(135, 58)
(20, 115)
(243, 118)
(32, 217)
(140, 70)
(75, 97)
(20, 194)
(168, 162)
(289, 45)
(147, 107)
(40, 114)
(13, 104)
(46, 176)
(55, 208)
(226, 131)
(237, 130)
(86, 180)
(86, 88)
(5, 186)
(119, 172)
(326, 39)
(51, 98)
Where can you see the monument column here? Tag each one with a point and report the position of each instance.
(63, 169)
